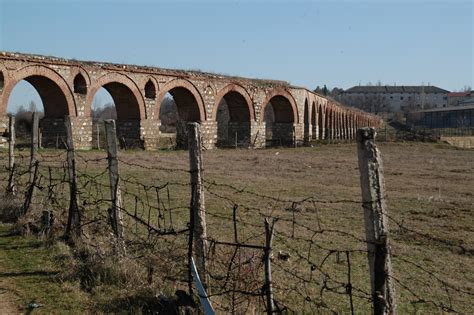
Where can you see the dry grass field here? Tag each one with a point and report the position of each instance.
(430, 199)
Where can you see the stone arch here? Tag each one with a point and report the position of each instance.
(80, 84)
(280, 122)
(210, 88)
(281, 96)
(183, 91)
(340, 126)
(314, 121)
(344, 124)
(329, 122)
(321, 121)
(2, 80)
(234, 117)
(151, 88)
(237, 89)
(350, 124)
(54, 91)
(79, 70)
(124, 91)
(339, 123)
(306, 122)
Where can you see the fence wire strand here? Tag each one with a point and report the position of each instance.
(316, 264)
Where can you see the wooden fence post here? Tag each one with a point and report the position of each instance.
(268, 267)
(114, 177)
(34, 143)
(98, 136)
(11, 155)
(73, 227)
(197, 207)
(376, 222)
(40, 138)
(235, 140)
(295, 143)
(31, 189)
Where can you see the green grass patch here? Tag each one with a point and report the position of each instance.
(29, 271)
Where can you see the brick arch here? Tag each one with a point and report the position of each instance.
(184, 84)
(79, 70)
(284, 93)
(321, 120)
(306, 111)
(313, 119)
(344, 124)
(329, 117)
(3, 77)
(232, 87)
(210, 85)
(154, 82)
(123, 80)
(313, 113)
(49, 84)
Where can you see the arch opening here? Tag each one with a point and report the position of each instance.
(43, 95)
(2, 81)
(150, 90)
(24, 99)
(102, 108)
(328, 125)
(233, 121)
(321, 123)
(80, 85)
(314, 122)
(307, 124)
(115, 100)
(178, 107)
(279, 122)
(168, 115)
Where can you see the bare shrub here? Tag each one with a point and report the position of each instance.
(10, 208)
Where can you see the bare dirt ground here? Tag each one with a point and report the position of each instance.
(8, 303)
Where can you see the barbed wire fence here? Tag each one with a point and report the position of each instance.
(254, 252)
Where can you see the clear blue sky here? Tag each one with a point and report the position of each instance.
(337, 43)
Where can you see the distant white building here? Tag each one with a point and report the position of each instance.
(392, 99)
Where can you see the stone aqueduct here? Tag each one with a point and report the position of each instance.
(67, 87)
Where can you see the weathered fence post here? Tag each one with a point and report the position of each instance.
(98, 136)
(11, 155)
(116, 210)
(40, 138)
(34, 143)
(295, 143)
(235, 140)
(74, 217)
(376, 222)
(268, 267)
(197, 208)
(31, 189)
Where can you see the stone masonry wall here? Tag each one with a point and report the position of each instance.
(3, 131)
(140, 126)
(82, 132)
